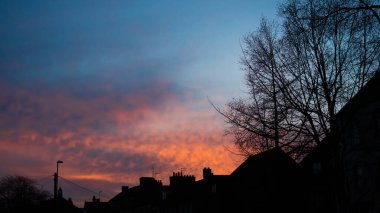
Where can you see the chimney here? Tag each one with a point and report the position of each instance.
(207, 173)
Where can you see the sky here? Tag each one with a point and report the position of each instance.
(118, 90)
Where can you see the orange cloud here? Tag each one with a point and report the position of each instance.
(112, 139)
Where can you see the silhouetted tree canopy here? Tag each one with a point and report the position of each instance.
(18, 192)
(300, 73)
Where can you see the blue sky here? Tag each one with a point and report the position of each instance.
(191, 43)
(113, 87)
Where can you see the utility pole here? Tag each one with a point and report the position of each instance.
(56, 181)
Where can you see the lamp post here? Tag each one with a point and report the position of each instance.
(56, 181)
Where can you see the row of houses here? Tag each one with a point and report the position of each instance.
(342, 174)
(275, 179)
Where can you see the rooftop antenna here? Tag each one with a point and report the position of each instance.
(154, 172)
(183, 169)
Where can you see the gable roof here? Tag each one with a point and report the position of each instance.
(118, 198)
(369, 92)
(327, 148)
(274, 159)
(325, 151)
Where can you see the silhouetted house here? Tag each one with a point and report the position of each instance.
(118, 203)
(212, 192)
(142, 198)
(181, 182)
(268, 182)
(324, 176)
(179, 195)
(345, 167)
(95, 206)
(58, 205)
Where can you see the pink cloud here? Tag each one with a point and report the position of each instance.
(112, 138)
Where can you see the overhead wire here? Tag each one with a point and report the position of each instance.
(45, 178)
(82, 187)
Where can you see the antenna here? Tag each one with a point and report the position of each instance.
(154, 172)
(183, 169)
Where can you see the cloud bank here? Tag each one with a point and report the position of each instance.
(110, 134)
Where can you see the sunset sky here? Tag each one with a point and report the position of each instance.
(116, 88)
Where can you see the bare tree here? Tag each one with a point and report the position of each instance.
(372, 6)
(262, 121)
(18, 192)
(328, 58)
(301, 74)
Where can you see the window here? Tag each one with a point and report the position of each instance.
(213, 188)
(317, 167)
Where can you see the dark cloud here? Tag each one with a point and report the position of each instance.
(69, 106)
(109, 161)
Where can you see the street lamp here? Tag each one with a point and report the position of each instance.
(56, 181)
(58, 162)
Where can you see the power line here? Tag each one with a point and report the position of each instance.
(82, 187)
(45, 178)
